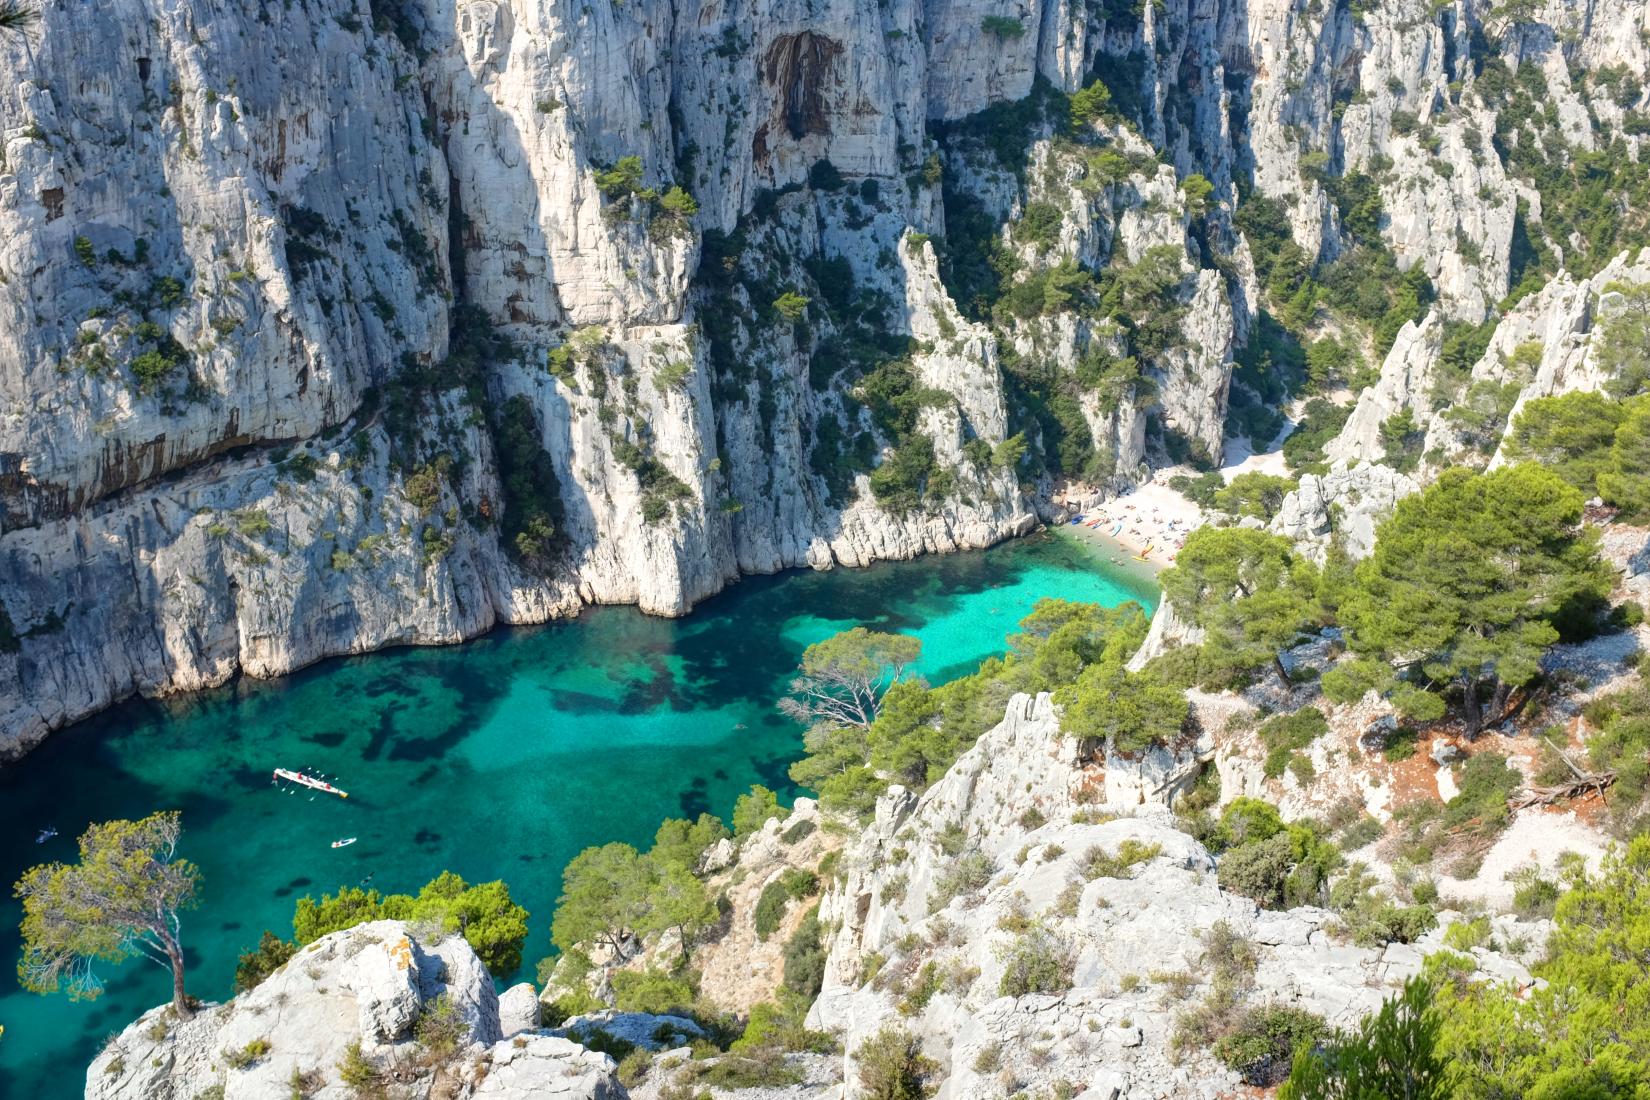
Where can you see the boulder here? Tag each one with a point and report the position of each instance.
(518, 1009)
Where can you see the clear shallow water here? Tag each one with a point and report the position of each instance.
(500, 758)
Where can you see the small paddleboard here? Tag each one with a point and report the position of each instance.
(345, 843)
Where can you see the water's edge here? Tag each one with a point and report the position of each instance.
(499, 758)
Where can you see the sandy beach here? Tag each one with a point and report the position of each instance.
(1149, 525)
(1145, 527)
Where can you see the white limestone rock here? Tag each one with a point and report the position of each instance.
(1347, 503)
(367, 984)
(545, 1067)
(640, 1029)
(518, 1009)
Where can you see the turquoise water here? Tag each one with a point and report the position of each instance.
(501, 758)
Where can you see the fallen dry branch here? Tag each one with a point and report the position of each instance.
(1578, 787)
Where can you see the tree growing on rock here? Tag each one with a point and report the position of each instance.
(484, 914)
(1248, 590)
(603, 899)
(121, 900)
(844, 678)
(16, 17)
(1110, 707)
(1461, 596)
(752, 810)
(614, 895)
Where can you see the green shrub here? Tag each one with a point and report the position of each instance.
(256, 965)
(791, 306)
(799, 831)
(1098, 863)
(752, 810)
(654, 991)
(245, 1056)
(1284, 734)
(971, 871)
(892, 1067)
(805, 957)
(1037, 961)
(770, 909)
(441, 1028)
(1262, 1043)
(531, 490)
(624, 178)
(761, 1067)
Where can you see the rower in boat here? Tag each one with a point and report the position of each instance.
(304, 779)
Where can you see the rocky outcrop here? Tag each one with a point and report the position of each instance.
(1345, 505)
(374, 986)
(1405, 385)
(1167, 631)
(926, 946)
(536, 1067)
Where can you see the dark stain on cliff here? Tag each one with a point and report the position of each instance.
(800, 67)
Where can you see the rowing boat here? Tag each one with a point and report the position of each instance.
(309, 781)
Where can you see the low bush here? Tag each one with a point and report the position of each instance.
(1263, 1040)
(361, 1075)
(1037, 961)
(441, 1029)
(256, 965)
(892, 1067)
(654, 991)
(247, 1055)
(1285, 734)
(971, 872)
(805, 957)
(1098, 863)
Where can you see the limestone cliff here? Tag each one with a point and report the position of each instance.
(337, 325)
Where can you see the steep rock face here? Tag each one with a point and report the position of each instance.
(1021, 772)
(231, 232)
(1405, 385)
(245, 566)
(1543, 347)
(267, 227)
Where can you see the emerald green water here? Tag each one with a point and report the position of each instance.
(501, 758)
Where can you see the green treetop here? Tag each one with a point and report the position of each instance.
(484, 914)
(614, 895)
(1570, 435)
(1248, 590)
(1624, 482)
(1462, 592)
(122, 899)
(843, 678)
(603, 899)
